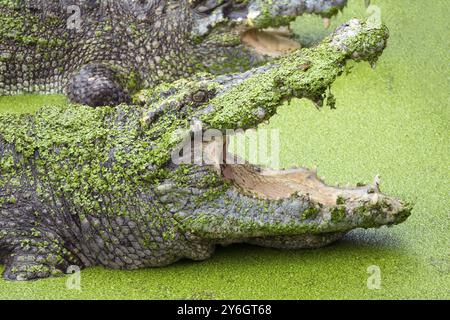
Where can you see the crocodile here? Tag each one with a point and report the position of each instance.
(123, 187)
(100, 52)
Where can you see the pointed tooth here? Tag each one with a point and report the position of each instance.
(374, 199)
(376, 181)
(326, 22)
(375, 187)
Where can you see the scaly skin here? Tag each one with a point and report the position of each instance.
(125, 45)
(89, 186)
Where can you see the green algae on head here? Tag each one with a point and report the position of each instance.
(29, 103)
(306, 73)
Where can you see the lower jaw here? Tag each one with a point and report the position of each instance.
(285, 208)
(302, 241)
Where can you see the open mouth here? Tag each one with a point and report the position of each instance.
(273, 184)
(273, 42)
(261, 25)
(270, 42)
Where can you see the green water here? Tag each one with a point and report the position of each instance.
(393, 121)
(29, 103)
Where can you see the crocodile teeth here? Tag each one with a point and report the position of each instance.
(375, 199)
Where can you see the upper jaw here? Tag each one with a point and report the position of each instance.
(266, 13)
(262, 26)
(260, 14)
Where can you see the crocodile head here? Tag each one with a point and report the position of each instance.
(215, 197)
(260, 27)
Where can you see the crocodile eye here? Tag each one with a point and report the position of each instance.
(200, 96)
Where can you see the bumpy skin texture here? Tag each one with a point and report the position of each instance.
(88, 186)
(125, 45)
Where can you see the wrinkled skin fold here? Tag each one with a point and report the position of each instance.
(84, 186)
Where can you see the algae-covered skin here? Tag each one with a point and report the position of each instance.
(99, 52)
(83, 186)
